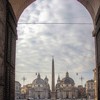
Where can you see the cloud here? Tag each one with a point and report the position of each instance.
(72, 45)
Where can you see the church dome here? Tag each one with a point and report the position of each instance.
(38, 82)
(68, 80)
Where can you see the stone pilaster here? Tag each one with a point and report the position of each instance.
(10, 48)
(2, 43)
(96, 34)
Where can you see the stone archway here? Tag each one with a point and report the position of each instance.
(91, 6)
(9, 14)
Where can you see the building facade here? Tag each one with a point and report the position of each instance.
(25, 91)
(38, 89)
(90, 89)
(65, 88)
(81, 91)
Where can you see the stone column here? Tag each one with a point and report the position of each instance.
(2, 43)
(96, 34)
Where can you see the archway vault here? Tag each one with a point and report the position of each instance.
(19, 6)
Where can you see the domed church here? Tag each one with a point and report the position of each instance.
(65, 88)
(40, 88)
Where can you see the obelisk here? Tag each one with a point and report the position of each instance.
(53, 93)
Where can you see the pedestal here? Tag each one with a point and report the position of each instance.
(53, 95)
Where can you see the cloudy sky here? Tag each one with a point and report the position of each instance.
(72, 45)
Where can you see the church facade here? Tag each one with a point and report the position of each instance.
(65, 88)
(40, 88)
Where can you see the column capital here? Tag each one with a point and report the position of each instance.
(96, 29)
(94, 32)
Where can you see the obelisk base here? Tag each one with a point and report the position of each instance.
(53, 95)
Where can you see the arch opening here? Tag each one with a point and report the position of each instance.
(41, 29)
